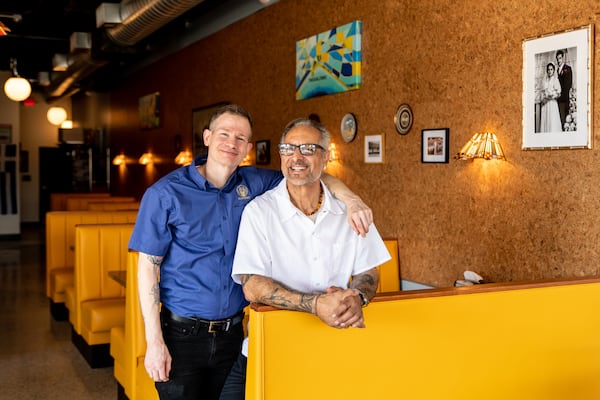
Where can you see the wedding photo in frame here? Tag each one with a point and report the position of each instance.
(435, 145)
(557, 90)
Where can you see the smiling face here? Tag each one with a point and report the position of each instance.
(550, 70)
(300, 169)
(228, 140)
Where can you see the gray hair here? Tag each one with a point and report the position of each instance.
(325, 135)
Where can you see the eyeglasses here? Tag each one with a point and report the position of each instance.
(307, 149)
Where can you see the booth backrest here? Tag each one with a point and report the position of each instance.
(81, 203)
(60, 235)
(517, 342)
(99, 248)
(113, 205)
(389, 272)
(58, 201)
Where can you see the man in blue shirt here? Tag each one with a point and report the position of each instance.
(186, 233)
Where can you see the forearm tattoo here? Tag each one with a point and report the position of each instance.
(366, 283)
(281, 296)
(156, 261)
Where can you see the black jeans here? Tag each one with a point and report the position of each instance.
(235, 385)
(200, 360)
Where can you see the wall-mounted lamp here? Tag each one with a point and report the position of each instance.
(333, 153)
(146, 158)
(15, 87)
(67, 124)
(56, 115)
(119, 160)
(184, 157)
(482, 145)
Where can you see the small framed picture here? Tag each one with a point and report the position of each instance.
(263, 152)
(435, 145)
(374, 149)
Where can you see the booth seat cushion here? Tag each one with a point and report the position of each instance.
(102, 315)
(61, 278)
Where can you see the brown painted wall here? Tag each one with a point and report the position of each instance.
(458, 64)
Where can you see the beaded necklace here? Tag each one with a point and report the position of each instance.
(318, 205)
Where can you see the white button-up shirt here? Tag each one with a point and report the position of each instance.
(278, 241)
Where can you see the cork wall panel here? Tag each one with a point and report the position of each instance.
(459, 66)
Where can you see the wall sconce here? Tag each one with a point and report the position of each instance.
(119, 160)
(15, 87)
(56, 115)
(146, 158)
(246, 161)
(333, 153)
(67, 124)
(184, 157)
(482, 145)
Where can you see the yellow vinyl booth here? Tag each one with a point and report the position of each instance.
(113, 205)
(60, 249)
(97, 301)
(81, 203)
(58, 201)
(128, 342)
(491, 341)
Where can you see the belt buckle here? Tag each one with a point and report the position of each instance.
(213, 324)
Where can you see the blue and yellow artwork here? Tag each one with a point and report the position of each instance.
(329, 62)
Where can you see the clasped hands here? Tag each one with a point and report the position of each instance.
(340, 308)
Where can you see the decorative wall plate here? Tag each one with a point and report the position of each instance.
(348, 127)
(403, 119)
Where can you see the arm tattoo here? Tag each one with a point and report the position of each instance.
(284, 297)
(156, 261)
(366, 283)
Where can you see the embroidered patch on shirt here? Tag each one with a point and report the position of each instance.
(242, 191)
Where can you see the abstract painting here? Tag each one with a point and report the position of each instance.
(329, 62)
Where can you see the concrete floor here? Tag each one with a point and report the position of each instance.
(37, 358)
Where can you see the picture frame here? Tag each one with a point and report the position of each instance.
(200, 119)
(374, 149)
(435, 145)
(149, 110)
(263, 152)
(555, 118)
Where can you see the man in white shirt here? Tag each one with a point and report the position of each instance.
(295, 249)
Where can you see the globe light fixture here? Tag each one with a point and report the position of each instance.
(15, 87)
(56, 115)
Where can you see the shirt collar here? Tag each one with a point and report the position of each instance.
(288, 210)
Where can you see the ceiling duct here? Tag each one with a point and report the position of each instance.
(143, 17)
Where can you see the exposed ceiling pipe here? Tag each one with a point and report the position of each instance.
(143, 17)
(140, 19)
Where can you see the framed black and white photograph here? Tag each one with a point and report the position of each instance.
(263, 152)
(557, 90)
(435, 145)
(374, 149)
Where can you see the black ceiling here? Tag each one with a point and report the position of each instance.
(43, 28)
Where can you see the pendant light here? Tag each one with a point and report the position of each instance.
(15, 87)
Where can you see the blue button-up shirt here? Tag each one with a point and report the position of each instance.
(194, 226)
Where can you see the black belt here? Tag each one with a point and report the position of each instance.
(195, 324)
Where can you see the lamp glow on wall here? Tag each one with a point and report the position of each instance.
(482, 145)
(56, 115)
(333, 153)
(15, 87)
(184, 157)
(119, 160)
(146, 158)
